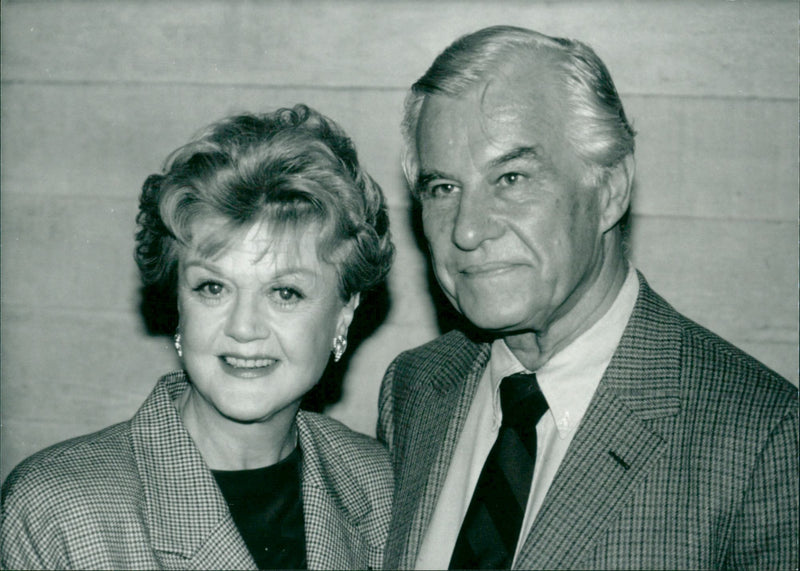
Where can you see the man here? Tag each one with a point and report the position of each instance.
(650, 442)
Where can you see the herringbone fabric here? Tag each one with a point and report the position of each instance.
(491, 526)
(138, 495)
(685, 459)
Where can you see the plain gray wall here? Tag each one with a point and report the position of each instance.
(95, 94)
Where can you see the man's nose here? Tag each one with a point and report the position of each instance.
(473, 222)
(247, 320)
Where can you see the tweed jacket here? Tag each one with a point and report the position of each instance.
(687, 457)
(138, 495)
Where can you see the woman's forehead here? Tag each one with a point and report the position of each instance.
(212, 237)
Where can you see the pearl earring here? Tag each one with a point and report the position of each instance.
(339, 347)
(178, 347)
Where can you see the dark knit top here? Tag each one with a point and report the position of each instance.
(267, 508)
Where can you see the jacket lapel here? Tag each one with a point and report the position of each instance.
(446, 397)
(333, 508)
(187, 517)
(617, 443)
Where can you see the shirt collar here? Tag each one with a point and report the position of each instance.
(569, 379)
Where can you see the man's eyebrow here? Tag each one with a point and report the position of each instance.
(531, 153)
(427, 176)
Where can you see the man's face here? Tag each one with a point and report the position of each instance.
(514, 232)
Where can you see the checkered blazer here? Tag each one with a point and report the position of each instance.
(687, 457)
(138, 495)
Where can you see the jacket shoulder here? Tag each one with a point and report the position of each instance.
(437, 349)
(723, 390)
(716, 368)
(79, 463)
(343, 450)
(707, 345)
(711, 367)
(53, 498)
(452, 354)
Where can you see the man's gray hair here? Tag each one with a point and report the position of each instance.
(597, 129)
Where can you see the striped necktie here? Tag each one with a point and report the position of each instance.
(489, 534)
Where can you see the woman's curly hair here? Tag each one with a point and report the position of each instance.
(293, 169)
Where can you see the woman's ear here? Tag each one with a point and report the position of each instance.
(347, 313)
(615, 197)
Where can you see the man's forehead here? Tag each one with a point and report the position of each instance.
(520, 86)
(506, 114)
(524, 83)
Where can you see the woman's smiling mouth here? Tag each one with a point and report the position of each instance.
(248, 363)
(247, 367)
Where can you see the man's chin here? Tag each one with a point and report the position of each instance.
(493, 322)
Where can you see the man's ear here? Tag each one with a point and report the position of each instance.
(615, 193)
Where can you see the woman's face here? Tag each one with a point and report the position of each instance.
(257, 322)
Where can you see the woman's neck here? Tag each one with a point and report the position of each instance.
(226, 444)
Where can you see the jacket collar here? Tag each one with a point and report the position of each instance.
(335, 508)
(448, 374)
(463, 357)
(185, 512)
(324, 470)
(645, 370)
(640, 384)
(619, 441)
(188, 519)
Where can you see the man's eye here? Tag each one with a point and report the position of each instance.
(210, 289)
(510, 179)
(441, 190)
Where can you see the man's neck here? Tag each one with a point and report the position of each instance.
(535, 348)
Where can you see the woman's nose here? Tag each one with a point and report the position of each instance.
(247, 321)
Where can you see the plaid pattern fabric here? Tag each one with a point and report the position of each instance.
(686, 458)
(137, 495)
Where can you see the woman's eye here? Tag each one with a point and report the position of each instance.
(210, 289)
(288, 294)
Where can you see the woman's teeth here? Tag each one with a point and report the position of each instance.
(248, 363)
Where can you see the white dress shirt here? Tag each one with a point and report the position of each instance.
(568, 380)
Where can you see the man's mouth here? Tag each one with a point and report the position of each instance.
(493, 268)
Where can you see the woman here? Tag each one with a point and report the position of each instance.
(265, 231)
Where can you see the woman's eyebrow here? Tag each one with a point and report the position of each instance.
(295, 271)
(202, 263)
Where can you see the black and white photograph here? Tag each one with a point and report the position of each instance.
(399, 284)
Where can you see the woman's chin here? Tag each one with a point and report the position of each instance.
(248, 413)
